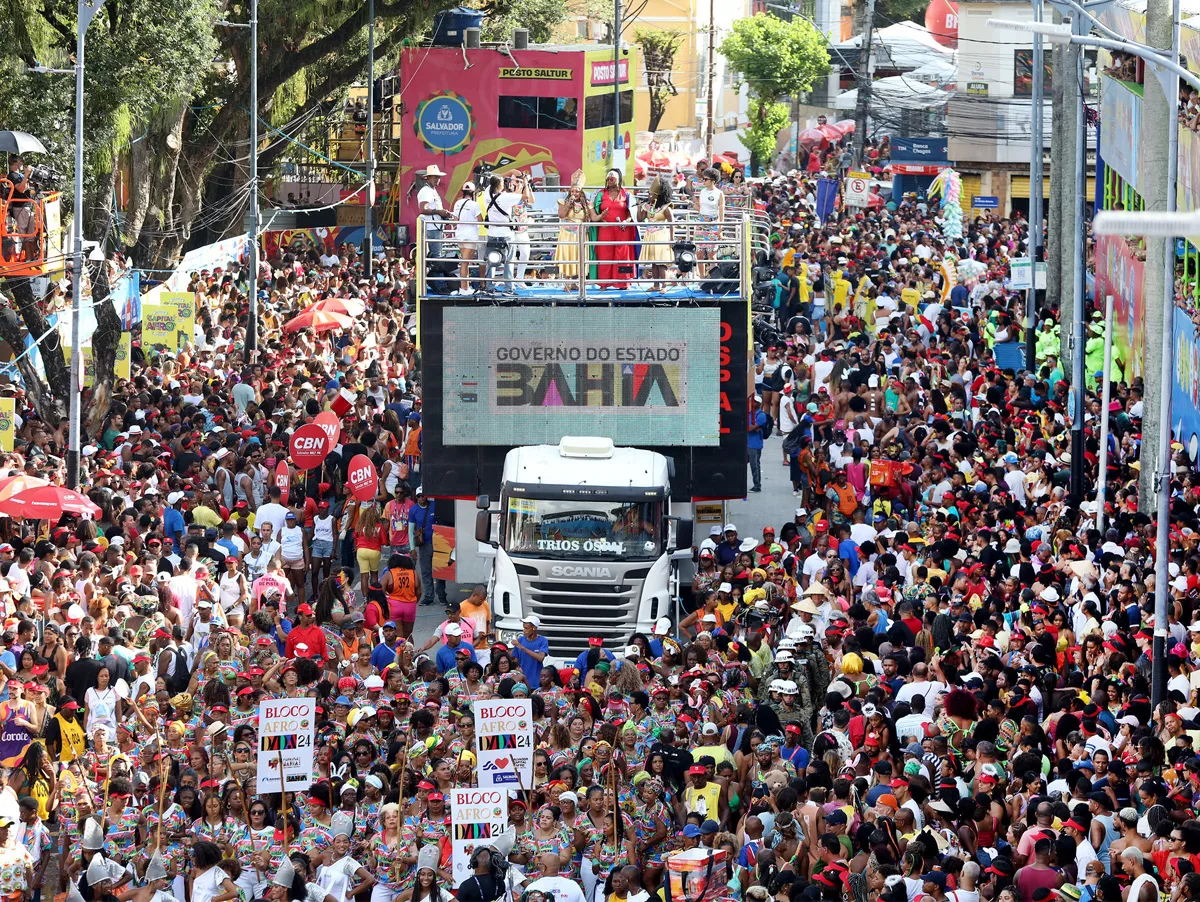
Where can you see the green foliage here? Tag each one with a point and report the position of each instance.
(767, 120)
(539, 16)
(775, 58)
(889, 11)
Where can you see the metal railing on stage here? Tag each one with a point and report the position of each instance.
(542, 258)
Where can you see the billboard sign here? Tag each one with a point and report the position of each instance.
(529, 375)
(672, 380)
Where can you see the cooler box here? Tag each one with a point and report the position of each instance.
(697, 875)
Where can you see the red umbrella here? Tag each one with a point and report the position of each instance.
(832, 132)
(348, 306)
(318, 321)
(14, 485)
(846, 126)
(811, 136)
(49, 502)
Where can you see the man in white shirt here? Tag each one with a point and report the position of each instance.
(921, 685)
(551, 884)
(1014, 477)
(429, 204)
(272, 512)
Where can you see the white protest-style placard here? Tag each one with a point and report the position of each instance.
(477, 816)
(504, 743)
(286, 729)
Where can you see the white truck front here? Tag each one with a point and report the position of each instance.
(585, 542)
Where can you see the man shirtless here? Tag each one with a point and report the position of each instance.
(1126, 824)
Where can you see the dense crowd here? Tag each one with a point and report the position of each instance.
(930, 683)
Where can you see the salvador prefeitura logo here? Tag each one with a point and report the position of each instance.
(444, 122)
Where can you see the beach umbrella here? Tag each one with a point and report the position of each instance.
(318, 321)
(49, 502)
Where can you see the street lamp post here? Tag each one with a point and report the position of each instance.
(87, 12)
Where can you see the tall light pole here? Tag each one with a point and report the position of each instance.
(252, 323)
(712, 71)
(617, 29)
(87, 12)
(1036, 153)
(368, 238)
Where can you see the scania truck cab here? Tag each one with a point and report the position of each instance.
(585, 540)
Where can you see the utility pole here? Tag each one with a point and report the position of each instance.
(86, 12)
(1036, 150)
(252, 321)
(1158, 116)
(712, 70)
(368, 223)
(866, 70)
(1078, 385)
(1058, 149)
(616, 79)
(1162, 30)
(1064, 244)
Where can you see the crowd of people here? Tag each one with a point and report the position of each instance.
(927, 680)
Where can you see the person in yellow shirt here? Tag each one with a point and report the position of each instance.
(911, 295)
(841, 290)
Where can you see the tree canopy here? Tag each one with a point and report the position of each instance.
(774, 59)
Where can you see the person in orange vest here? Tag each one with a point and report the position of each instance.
(412, 443)
(843, 496)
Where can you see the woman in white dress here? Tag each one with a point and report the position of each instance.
(103, 706)
(211, 878)
(343, 878)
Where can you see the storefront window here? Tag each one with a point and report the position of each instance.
(557, 113)
(598, 110)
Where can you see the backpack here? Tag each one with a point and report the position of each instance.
(768, 428)
(178, 680)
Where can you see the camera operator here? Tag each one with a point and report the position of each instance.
(19, 219)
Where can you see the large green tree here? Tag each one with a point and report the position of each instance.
(774, 59)
(167, 98)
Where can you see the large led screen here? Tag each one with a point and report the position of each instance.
(529, 375)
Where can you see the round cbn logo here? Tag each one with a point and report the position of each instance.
(304, 724)
(496, 812)
(444, 122)
(522, 725)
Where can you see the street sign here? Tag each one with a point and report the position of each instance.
(857, 189)
(1023, 274)
(985, 202)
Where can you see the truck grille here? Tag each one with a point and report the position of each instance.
(571, 613)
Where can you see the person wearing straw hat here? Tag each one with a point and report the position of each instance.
(429, 204)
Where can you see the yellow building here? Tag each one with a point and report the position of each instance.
(689, 74)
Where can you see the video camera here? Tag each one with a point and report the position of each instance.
(43, 178)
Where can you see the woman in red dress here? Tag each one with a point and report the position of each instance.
(615, 265)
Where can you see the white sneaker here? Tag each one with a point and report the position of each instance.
(465, 291)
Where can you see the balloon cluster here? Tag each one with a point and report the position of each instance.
(949, 185)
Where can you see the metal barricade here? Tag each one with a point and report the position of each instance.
(563, 260)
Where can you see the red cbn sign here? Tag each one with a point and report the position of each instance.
(310, 445)
(283, 481)
(364, 478)
(331, 425)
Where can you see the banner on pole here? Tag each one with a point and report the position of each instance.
(8, 423)
(477, 817)
(504, 743)
(287, 727)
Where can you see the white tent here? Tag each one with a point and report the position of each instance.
(937, 72)
(904, 46)
(897, 93)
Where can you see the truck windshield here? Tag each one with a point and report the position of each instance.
(612, 530)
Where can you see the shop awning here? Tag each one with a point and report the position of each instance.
(915, 168)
